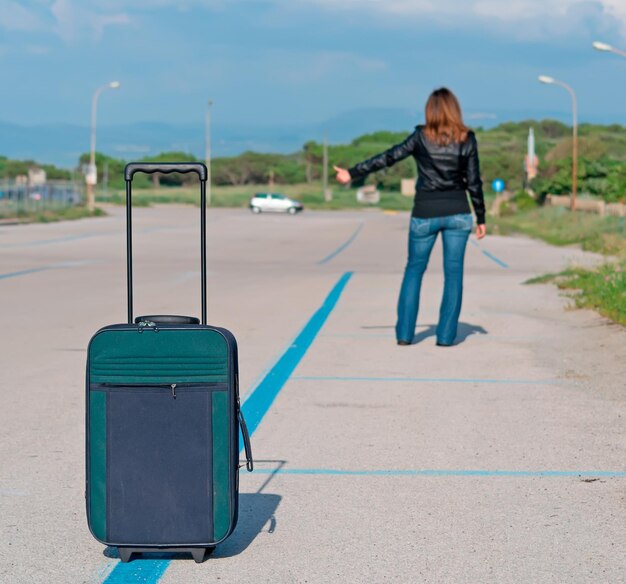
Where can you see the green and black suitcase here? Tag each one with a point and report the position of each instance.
(163, 420)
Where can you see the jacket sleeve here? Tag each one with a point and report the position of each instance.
(385, 159)
(474, 182)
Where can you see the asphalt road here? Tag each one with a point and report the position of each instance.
(501, 459)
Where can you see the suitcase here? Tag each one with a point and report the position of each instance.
(163, 420)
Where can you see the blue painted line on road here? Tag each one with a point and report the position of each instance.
(8, 275)
(343, 246)
(23, 272)
(146, 572)
(78, 237)
(490, 255)
(444, 473)
(429, 380)
(65, 239)
(254, 409)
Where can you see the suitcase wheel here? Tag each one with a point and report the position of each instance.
(198, 554)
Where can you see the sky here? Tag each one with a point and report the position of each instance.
(267, 62)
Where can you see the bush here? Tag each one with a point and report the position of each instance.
(524, 202)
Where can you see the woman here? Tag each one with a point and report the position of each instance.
(446, 154)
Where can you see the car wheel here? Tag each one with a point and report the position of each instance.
(292, 210)
(255, 210)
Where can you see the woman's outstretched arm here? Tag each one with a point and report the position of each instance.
(384, 160)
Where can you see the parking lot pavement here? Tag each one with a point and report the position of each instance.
(501, 459)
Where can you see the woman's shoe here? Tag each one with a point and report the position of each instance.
(403, 343)
(443, 344)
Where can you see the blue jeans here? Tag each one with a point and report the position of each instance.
(455, 230)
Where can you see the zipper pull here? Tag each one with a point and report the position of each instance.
(173, 386)
(147, 324)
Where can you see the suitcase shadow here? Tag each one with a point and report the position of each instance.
(256, 515)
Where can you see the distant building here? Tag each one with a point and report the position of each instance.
(36, 176)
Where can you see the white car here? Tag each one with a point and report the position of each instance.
(274, 203)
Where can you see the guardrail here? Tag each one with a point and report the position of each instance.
(588, 205)
(584, 205)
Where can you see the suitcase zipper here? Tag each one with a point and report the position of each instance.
(173, 387)
(143, 325)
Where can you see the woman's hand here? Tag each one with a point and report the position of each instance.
(481, 231)
(343, 176)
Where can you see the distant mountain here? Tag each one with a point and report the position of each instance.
(62, 144)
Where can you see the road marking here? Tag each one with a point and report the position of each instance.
(62, 265)
(254, 408)
(146, 572)
(430, 380)
(489, 255)
(77, 237)
(343, 246)
(445, 472)
(65, 239)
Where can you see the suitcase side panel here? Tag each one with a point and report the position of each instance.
(97, 464)
(222, 516)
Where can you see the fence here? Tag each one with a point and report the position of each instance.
(18, 198)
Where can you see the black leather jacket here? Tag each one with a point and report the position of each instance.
(443, 171)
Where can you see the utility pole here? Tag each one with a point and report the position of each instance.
(328, 194)
(105, 179)
(207, 150)
(570, 90)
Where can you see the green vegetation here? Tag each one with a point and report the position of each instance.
(558, 226)
(48, 215)
(12, 168)
(238, 196)
(602, 289)
(602, 162)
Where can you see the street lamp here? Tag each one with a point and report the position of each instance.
(207, 148)
(91, 177)
(552, 81)
(599, 46)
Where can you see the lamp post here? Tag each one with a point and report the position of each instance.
(207, 149)
(570, 90)
(599, 46)
(91, 177)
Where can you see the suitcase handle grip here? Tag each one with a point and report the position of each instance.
(246, 440)
(166, 167)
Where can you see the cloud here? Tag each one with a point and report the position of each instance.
(74, 20)
(531, 19)
(69, 19)
(517, 19)
(16, 16)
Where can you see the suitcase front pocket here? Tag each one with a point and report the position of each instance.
(160, 464)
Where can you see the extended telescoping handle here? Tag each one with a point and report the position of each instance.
(166, 168)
